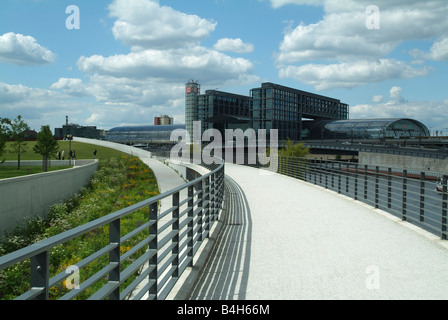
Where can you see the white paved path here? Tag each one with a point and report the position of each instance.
(299, 241)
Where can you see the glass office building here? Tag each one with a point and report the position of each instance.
(215, 110)
(366, 129)
(269, 107)
(282, 108)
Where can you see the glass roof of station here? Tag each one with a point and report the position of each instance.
(375, 127)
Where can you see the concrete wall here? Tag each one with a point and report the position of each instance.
(32, 195)
(403, 162)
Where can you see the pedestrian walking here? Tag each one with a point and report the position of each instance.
(63, 154)
(94, 154)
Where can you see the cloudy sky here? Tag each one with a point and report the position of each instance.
(122, 62)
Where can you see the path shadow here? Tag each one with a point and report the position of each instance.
(225, 274)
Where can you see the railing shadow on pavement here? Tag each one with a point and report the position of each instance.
(226, 271)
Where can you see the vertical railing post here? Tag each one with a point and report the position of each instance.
(339, 177)
(40, 274)
(200, 211)
(444, 207)
(206, 198)
(422, 196)
(114, 256)
(366, 168)
(190, 243)
(175, 250)
(153, 261)
(320, 172)
(214, 195)
(332, 175)
(347, 177)
(377, 170)
(355, 190)
(404, 199)
(389, 188)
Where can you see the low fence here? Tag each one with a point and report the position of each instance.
(154, 264)
(409, 195)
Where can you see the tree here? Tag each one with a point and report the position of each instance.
(46, 146)
(2, 139)
(297, 150)
(17, 131)
(290, 158)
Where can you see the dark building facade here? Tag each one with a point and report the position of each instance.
(271, 106)
(282, 108)
(75, 130)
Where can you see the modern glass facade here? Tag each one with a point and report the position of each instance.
(282, 108)
(366, 129)
(269, 107)
(142, 134)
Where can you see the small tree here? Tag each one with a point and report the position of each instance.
(2, 140)
(17, 130)
(290, 156)
(297, 150)
(46, 145)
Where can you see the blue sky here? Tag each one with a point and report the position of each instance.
(130, 59)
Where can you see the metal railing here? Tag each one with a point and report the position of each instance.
(172, 239)
(409, 195)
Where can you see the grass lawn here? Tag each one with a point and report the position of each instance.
(83, 151)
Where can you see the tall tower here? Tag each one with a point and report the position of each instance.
(192, 91)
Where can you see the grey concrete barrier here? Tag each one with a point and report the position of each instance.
(32, 195)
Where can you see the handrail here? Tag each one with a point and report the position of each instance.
(408, 195)
(195, 207)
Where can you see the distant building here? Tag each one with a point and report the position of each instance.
(76, 130)
(163, 121)
(271, 106)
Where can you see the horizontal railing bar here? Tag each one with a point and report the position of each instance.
(63, 275)
(133, 285)
(31, 294)
(168, 224)
(185, 222)
(167, 251)
(134, 249)
(165, 266)
(183, 212)
(165, 291)
(166, 212)
(185, 201)
(167, 238)
(167, 276)
(138, 263)
(105, 291)
(93, 279)
(136, 231)
(145, 290)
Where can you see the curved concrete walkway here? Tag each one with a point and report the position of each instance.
(292, 240)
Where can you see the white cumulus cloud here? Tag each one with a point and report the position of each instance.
(233, 45)
(23, 50)
(145, 24)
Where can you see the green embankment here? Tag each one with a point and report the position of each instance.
(120, 181)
